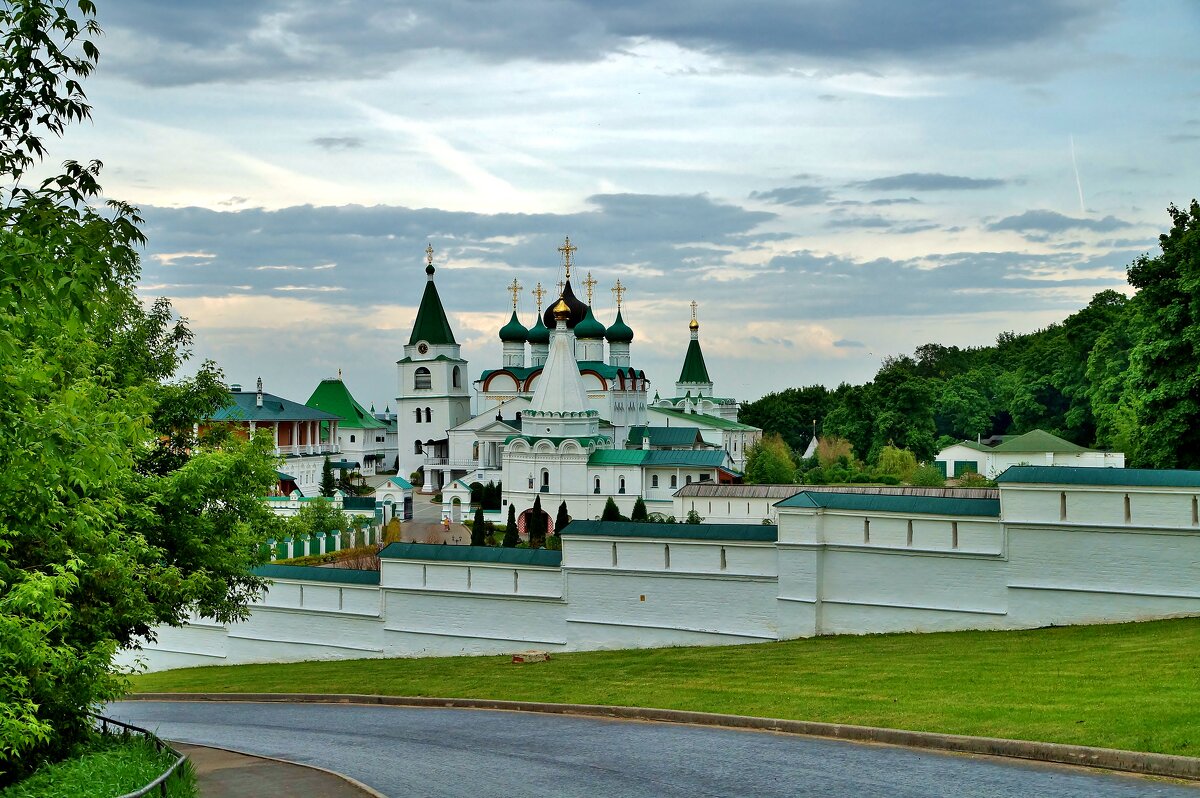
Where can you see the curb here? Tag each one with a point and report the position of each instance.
(1149, 764)
(371, 791)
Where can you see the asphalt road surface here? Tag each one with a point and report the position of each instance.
(477, 753)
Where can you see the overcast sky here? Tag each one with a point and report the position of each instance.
(832, 181)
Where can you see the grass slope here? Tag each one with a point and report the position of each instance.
(108, 766)
(1129, 686)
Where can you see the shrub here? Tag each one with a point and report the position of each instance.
(928, 476)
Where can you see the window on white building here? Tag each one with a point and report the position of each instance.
(428, 415)
(674, 481)
(654, 481)
(352, 439)
(422, 379)
(417, 447)
(455, 376)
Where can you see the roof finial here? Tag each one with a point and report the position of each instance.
(693, 324)
(619, 290)
(539, 292)
(590, 284)
(339, 374)
(561, 286)
(429, 259)
(566, 249)
(514, 288)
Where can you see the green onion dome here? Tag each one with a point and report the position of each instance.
(619, 332)
(514, 332)
(589, 327)
(538, 333)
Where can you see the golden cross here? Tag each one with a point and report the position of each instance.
(561, 286)
(590, 284)
(619, 290)
(538, 293)
(514, 288)
(566, 249)
(429, 254)
(693, 310)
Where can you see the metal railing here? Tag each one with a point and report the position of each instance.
(125, 728)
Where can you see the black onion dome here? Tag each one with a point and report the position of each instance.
(578, 309)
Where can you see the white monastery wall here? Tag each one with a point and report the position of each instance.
(824, 575)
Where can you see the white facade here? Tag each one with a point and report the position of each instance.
(1057, 553)
(991, 464)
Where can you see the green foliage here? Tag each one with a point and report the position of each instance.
(769, 462)
(562, 519)
(899, 463)
(478, 529)
(928, 476)
(104, 766)
(313, 517)
(113, 518)
(639, 510)
(693, 517)
(328, 480)
(611, 511)
(511, 536)
(791, 414)
(1164, 365)
(536, 525)
(973, 480)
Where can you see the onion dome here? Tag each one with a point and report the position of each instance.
(514, 332)
(589, 327)
(578, 309)
(538, 333)
(561, 311)
(619, 332)
(693, 325)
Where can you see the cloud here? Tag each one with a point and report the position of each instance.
(796, 196)
(335, 143)
(846, 343)
(223, 40)
(927, 181)
(1044, 221)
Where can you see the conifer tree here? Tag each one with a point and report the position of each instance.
(511, 538)
(611, 512)
(639, 510)
(328, 482)
(562, 519)
(478, 530)
(537, 525)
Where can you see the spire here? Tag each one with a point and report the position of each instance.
(694, 370)
(560, 388)
(431, 325)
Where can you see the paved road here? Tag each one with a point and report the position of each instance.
(477, 753)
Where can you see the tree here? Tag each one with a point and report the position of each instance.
(328, 481)
(562, 519)
(899, 463)
(478, 529)
(694, 517)
(928, 476)
(317, 517)
(769, 462)
(511, 536)
(832, 450)
(536, 525)
(126, 520)
(639, 510)
(1165, 360)
(611, 511)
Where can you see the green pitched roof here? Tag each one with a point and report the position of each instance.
(400, 482)
(243, 407)
(617, 457)
(690, 458)
(312, 573)
(431, 325)
(978, 447)
(630, 529)
(694, 369)
(1038, 441)
(490, 554)
(1080, 475)
(704, 419)
(664, 436)
(892, 503)
(332, 396)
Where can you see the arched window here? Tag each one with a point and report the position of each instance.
(545, 481)
(621, 482)
(352, 439)
(417, 447)
(654, 481)
(674, 481)
(454, 376)
(596, 488)
(422, 379)
(418, 412)
(428, 415)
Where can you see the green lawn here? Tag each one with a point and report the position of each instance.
(107, 766)
(1130, 686)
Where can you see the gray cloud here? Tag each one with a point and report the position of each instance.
(795, 196)
(927, 181)
(333, 143)
(1043, 221)
(224, 40)
(846, 343)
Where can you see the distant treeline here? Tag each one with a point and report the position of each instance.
(1122, 373)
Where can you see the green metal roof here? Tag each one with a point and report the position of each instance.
(619, 332)
(443, 358)
(400, 482)
(978, 447)
(630, 529)
(694, 369)
(334, 397)
(514, 331)
(665, 436)
(431, 325)
(312, 573)
(599, 366)
(692, 458)
(243, 407)
(1081, 475)
(487, 554)
(1038, 441)
(590, 327)
(892, 503)
(632, 457)
(703, 419)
